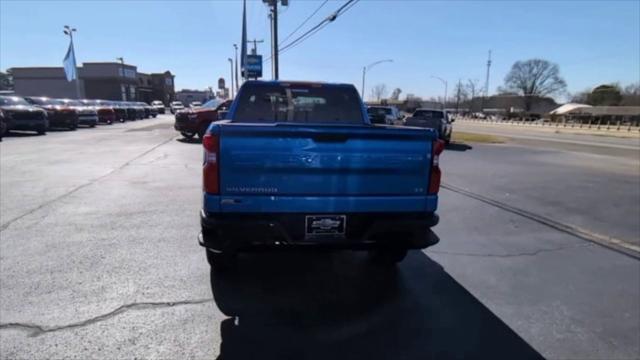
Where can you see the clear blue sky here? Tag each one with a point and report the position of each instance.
(592, 42)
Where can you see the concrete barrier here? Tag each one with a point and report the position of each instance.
(609, 127)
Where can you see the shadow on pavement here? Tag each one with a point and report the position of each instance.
(331, 306)
(456, 146)
(18, 133)
(193, 140)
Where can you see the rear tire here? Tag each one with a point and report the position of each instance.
(73, 127)
(187, 135)
(221, 261)
(41, 131)
(202, 131)
(388, 256)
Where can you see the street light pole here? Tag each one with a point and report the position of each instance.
(368, 67)
(235, 46)
(121, 59)
(231, 64)
(444, 102)
(69, 31)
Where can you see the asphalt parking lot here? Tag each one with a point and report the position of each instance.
(99, 259)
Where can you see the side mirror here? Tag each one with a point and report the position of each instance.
(222, 115)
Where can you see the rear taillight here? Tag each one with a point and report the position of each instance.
(436, 174)
(210, 173)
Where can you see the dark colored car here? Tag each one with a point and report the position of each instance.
(137, 111)
(387, 115)
(130, 109)
(58, 114)
(3, 125)
(119, 109)
(87, 114)
(18, 114)
(153, 111)
(432, 119)
(149, 111)
(192, 121)
(106, 113)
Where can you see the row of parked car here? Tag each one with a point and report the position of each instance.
(40, 114)
(439, 120)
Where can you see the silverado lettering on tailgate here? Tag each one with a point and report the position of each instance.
(245, 189)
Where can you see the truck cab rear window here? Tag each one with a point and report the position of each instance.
(428, 114)
(292, 104)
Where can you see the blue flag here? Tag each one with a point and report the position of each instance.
(69, 63)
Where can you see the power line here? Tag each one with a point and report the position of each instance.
(305, 20)
(323, 23)
(344, 8)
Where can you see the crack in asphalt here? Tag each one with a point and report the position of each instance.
(525, 253)
(36, 330)
(620, 246)
(82, 186)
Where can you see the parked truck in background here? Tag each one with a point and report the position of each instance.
(432, 119)
(298, 164)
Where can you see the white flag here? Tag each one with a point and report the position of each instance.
(69, 63)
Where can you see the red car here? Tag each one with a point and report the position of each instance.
(106, 114)
(190, 122)
(59, 114)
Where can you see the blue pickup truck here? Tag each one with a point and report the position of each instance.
(298, 164)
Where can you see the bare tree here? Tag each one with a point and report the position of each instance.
(395, 95)
(631, 95)
(461, 94)
(473, 88)
(581, 97)
(534, 78)
(378, 92)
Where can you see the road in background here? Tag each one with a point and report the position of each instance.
(558, 138)
(98, 258)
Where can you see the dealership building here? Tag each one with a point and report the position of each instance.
(97, 80)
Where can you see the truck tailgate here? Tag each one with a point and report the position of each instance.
(317, 160)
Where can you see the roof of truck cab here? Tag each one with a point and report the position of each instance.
(427, 109)
(294, 82)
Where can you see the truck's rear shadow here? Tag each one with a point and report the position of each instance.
(309, 306)
(458, 146)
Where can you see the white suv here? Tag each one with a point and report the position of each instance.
(176, 106)
(158, 105)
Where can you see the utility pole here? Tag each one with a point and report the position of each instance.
(368, 67)
(231, 64)
(255, 42)
(274, 44)
(121, 59)
(235, 46)
(486, 82)
(273, 16)
(446, 84)
(459, 93)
